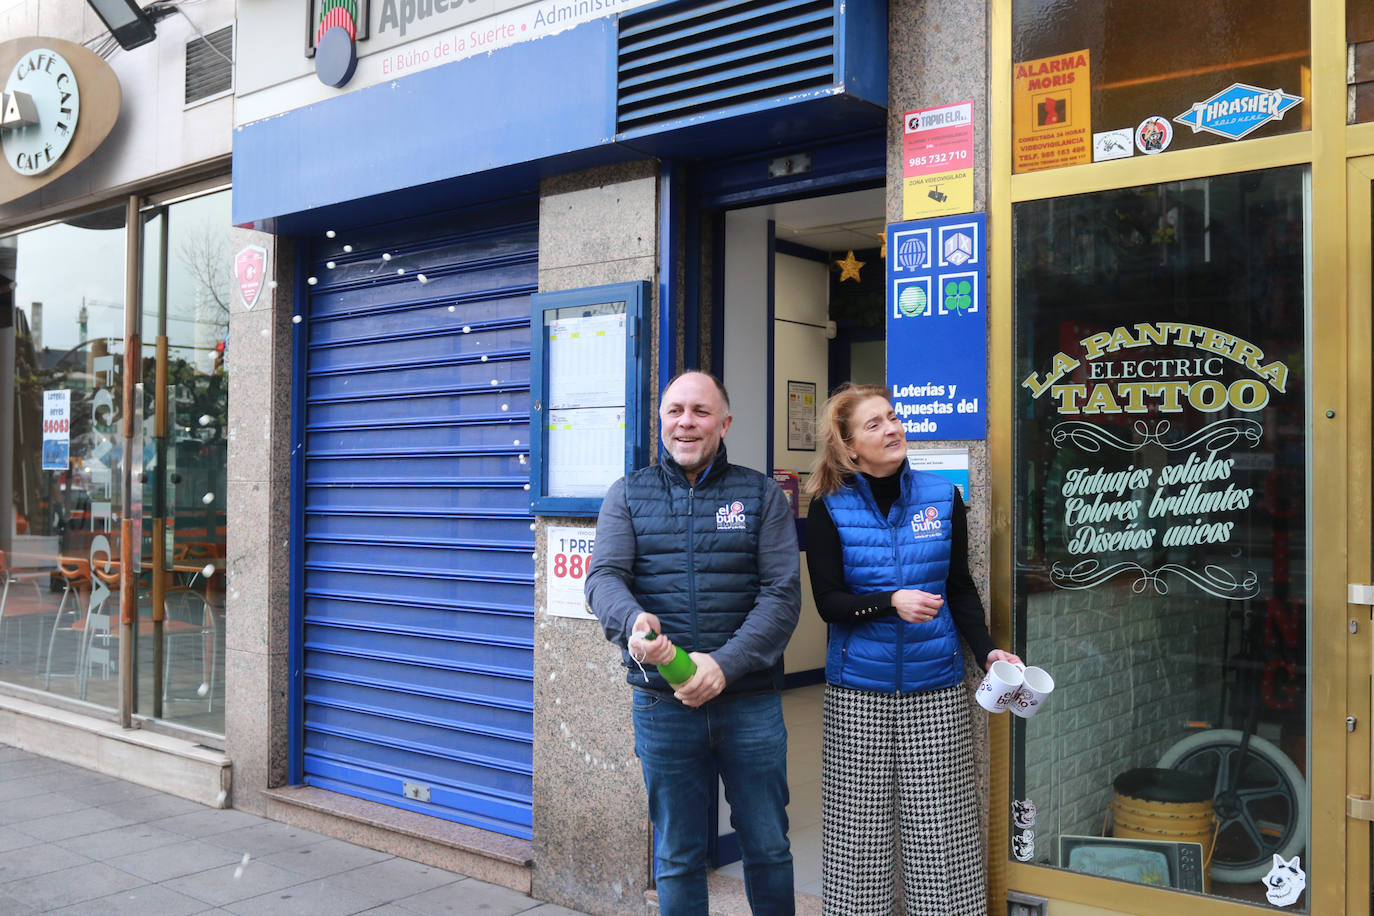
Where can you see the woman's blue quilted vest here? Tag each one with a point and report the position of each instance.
(908, 549)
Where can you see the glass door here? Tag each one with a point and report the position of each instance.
(1163, 550)
(187, 288)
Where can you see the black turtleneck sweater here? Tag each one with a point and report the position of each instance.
(836, 604)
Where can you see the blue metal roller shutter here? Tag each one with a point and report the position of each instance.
(416, 573)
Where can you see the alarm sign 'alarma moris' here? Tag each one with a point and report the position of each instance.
(40, 110)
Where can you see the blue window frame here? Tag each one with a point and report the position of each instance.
(588, 418)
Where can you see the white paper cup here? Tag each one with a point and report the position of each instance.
(1036, 687)
(1000, 686)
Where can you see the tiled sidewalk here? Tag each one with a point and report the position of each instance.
(74, 841)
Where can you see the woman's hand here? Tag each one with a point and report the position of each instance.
(1002, 655)
(916, 606)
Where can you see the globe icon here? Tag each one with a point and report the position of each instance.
(912, 301)
(911, 253)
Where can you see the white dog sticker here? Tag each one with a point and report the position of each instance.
(1285, 882)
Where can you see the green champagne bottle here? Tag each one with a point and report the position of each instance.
(678, 671)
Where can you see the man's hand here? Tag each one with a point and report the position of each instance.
(705, 685)
(916, 606)
(658, 651)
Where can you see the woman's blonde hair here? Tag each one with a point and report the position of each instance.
(833, 464)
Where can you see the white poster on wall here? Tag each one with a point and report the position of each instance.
(569, 552)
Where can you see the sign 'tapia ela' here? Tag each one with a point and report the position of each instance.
(1238, 110)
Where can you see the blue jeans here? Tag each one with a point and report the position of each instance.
(746, 740)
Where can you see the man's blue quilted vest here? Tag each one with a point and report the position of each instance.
(908, 549)
(696, 562)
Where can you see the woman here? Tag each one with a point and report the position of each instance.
(888, 555)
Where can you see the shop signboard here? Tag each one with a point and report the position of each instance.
(937, 326)
(937, 161)
(1052, 112)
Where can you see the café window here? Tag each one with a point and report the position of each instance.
(62, 366)
(1161, 557)
(1095, 81)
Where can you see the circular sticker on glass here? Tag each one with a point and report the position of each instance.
(1154, 135)
(41, 107)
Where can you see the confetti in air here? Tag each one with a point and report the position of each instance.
(272, 284)
(467, 330)
(206, 419)
(450, 308)
(422, 278)
(329, 233)
(311, 280)
(295, 319)
(386, 256)
(203, 690)
(208, 498)
(484, 357)
(505, 407)
(347, 249)
(208, 570)
(493, 381)
(329, 264)
(400, 270)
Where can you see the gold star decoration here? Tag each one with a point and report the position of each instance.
(849, 268)
(882, 237)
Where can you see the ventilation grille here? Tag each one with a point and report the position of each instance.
(209, 64)
(690, 59)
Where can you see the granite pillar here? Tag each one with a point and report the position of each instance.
(938, 53)
(591, 839)
(259, 481)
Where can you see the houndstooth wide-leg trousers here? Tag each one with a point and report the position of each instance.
(916, 747)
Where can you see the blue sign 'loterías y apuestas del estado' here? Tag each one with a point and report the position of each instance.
(937, 326)
(1237, 110)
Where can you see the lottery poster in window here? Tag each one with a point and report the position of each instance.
(57, 437)
(569, 552)
(1051, 112)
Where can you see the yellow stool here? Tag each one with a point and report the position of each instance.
(1159, 804)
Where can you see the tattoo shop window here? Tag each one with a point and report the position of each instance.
(1162, 550)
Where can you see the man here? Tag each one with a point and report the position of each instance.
(704, 553)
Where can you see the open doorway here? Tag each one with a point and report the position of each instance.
(801, 309)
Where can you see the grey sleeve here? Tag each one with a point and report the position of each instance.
(761, 639)
(612, 567)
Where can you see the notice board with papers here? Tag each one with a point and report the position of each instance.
(588, 395)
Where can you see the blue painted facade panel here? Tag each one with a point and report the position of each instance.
(524, 103)
(415, 560)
